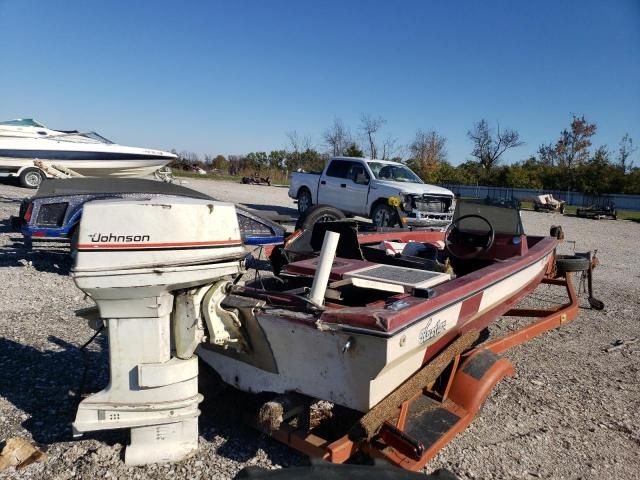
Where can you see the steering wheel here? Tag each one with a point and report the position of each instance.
(473, 243)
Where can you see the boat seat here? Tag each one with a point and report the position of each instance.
(374, 254)
(376, 276)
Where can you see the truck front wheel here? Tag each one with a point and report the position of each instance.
(383, 215)
(304, 200)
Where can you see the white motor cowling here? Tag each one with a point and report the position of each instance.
(163, 231)
(132, 258)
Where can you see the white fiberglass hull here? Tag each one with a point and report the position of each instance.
(88, 159)
(92, 168)
(351, 368)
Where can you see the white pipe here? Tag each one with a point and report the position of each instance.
(325, 262)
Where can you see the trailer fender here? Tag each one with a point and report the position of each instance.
(476, 378)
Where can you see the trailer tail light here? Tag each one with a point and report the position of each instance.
(402, 442)
(27, 214)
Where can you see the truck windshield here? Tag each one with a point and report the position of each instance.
(390, 171)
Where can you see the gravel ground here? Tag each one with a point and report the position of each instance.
(571, 411)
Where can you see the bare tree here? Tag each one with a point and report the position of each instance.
(624, 152)
(298, 145)
(428, 151)
(294, 146)
(488, 149)
(306, 143)
(235, 163)
(546, 155)
(189, 156)
(337, 137)
(370, 126)
(294, 140)
(389, 147)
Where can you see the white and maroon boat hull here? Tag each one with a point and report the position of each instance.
(357, 367)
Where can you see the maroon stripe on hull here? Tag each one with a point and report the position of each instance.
(482, 321)
(470, 307)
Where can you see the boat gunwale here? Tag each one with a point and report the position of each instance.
(470, 284)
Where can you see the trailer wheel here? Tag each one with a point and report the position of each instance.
(318, 213)
(304, 200)
(31, 177)
(571, 263)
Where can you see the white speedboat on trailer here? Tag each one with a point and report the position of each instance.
(24, 141)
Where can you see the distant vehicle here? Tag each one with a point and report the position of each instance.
(363, 187)
(54, 212)
(24, 141)
(546, 202)
(256, 179)
(186, 166)
(599, 208)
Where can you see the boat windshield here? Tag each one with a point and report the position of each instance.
(77, 137)
(22, 122)
(504, 215)
(392, 171)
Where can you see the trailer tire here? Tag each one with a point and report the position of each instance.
(571, 263)
(31, 177)
(319, 213)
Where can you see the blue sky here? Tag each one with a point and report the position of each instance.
(233, 77)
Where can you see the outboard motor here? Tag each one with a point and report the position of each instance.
(133, 259)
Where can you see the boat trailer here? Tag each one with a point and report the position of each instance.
(420, 417)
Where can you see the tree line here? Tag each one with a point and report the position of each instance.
(570, 162)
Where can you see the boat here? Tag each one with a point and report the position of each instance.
(24, 141)
(54, 212)
(390, 327)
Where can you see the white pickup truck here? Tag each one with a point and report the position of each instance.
(363, 187)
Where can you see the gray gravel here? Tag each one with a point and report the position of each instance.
(571, 411)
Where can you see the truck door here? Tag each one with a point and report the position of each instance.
(357, 189)
(340, 189)
(331, 188)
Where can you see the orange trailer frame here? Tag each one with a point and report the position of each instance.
(432, 417)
